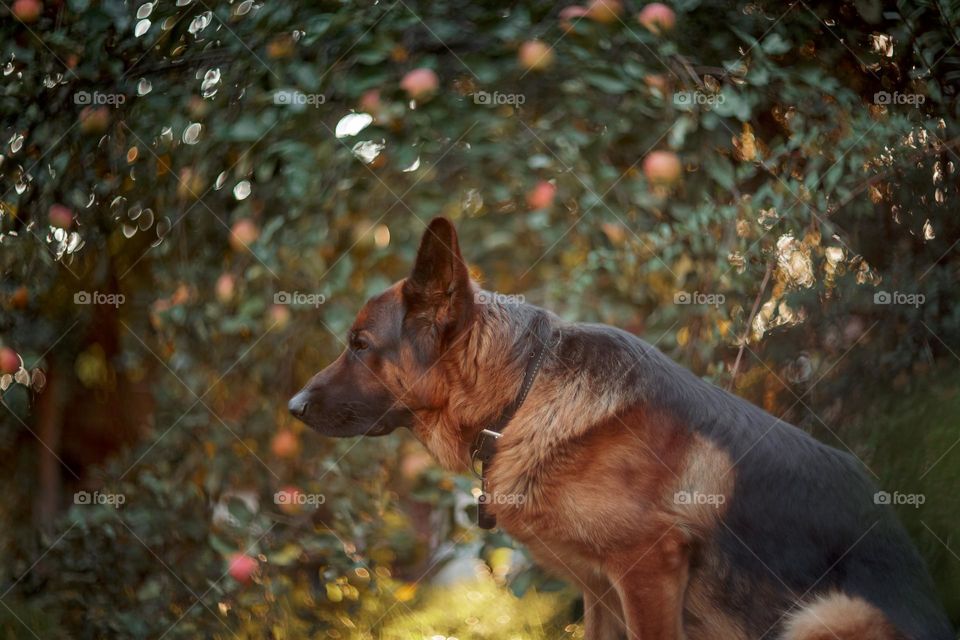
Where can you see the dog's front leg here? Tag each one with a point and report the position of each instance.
(602, 612)
(651, 582)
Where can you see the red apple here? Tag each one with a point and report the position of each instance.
(225, 287)
(285, 444)
(420, 84)
(288, 500)
(662, 167)
(242, 567)
(541, 196)
(94, 120)
(657, 81)
(9, 360)
(605, 11)
(535, 55)
(370, 102)
(20, 297)
(569, 16)
(27, 10)
(280, 47)
(244, 233)
(657, 17)
(280, 316)
(60, 216)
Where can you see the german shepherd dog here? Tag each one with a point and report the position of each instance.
(679, 510)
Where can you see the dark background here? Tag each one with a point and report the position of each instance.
(178, 167)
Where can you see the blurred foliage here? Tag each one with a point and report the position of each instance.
(910, 433)
(194, 145)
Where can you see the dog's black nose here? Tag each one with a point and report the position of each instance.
(298, 405)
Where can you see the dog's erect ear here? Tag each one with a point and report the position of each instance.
(439, 288)
(439, 266)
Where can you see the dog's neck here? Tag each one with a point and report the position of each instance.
(491, 379)
(538, 340)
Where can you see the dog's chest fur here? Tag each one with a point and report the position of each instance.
(592, 485)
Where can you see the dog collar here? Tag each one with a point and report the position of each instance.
(485, 444)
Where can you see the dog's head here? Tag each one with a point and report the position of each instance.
(391, 372)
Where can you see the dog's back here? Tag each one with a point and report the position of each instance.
(804, 521)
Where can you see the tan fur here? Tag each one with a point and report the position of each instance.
(839, 617)
(712, 622)
(703, 492)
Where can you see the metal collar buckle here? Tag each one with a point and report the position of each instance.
(483, 449)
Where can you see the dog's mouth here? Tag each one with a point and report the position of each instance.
(348, 424)
(351, 429)
(380, 429)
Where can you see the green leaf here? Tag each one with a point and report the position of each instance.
(775, 45)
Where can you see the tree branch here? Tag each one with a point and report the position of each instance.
(753, 314)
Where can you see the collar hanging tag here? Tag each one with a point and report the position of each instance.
(485, 518)
(484, 447)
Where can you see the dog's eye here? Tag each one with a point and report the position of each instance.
(358, 344)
